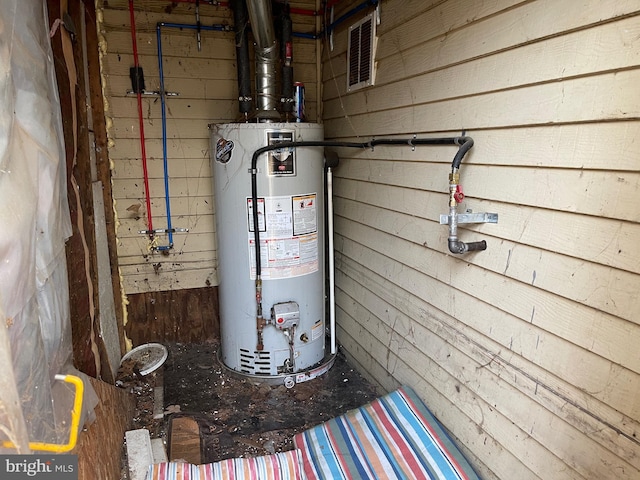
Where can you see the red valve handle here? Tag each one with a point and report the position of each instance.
(459, 195)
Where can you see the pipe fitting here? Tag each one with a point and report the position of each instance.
(458, 247)
(259, 291)
(260, 324)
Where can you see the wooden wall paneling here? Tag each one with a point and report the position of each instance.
(539, 104)
(137, 245)
(608, 381)
(425, 23)
(174, 43)
(200, 205)
(103, 171)
(553, 393)
(173, 67)
(478, 445)
(82, 285)
(116, 17)
(402, 11)
(159, 266)
(128, 168)
(131, 189)
(542, 389)
(398, 334)
(586, 238)
(141, 326)
(462, 37)
(590, 192)
(451, 382)
(536, 326)
(177, 107)
(527, 342)
(174, 316)
(177, 128)
(208, 88)
(177, 150)
(547, 61)
(517, 261)
(99, 447)
(588, 146)
(145, 282)
(193, 74)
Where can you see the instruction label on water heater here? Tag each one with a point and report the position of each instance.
(281, 162)
(288, 235)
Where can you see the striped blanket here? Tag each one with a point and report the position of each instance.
(393, 437)
(279, 466)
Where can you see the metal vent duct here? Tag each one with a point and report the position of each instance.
(267, 58)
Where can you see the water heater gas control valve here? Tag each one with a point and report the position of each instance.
(285, 315)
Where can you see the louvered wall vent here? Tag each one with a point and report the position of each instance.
(361, 50)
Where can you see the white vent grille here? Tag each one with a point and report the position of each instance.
(360, 53)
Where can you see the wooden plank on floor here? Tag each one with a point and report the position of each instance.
(184, 440)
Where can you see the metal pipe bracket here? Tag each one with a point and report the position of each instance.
(470, 217)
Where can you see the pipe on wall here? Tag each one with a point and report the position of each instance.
(163, 108)
(329, 28)
(331, 161)
(286, 53)
(138, 87)
(241, 29)
(208, 2)
(464, 144)
(165, 163)
(456, 196)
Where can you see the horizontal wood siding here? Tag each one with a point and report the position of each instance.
(206, 83)
(527, 352)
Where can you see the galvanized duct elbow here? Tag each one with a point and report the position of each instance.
(267, 58)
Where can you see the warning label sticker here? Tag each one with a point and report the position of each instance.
(305, 219)
(288, 238)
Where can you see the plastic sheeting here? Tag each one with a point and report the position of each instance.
(35, 223)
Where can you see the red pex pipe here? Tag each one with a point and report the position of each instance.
(208, 2)
(143, 149)
(303, 11)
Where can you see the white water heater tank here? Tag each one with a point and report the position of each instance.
(290, 203)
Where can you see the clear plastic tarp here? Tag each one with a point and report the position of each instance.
(35, 331)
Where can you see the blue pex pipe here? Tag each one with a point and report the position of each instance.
(187, 26)
(311, 36)
(163, 106)
(165, 163)
(353, 11)
(330, 27)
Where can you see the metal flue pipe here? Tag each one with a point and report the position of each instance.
(267, 58)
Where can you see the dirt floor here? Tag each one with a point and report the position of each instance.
(237, 417)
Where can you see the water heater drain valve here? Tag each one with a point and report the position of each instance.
(285, 315)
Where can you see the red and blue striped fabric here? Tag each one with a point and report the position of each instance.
(393, 437)
(279, 466)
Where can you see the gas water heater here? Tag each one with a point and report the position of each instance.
(290, 218)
